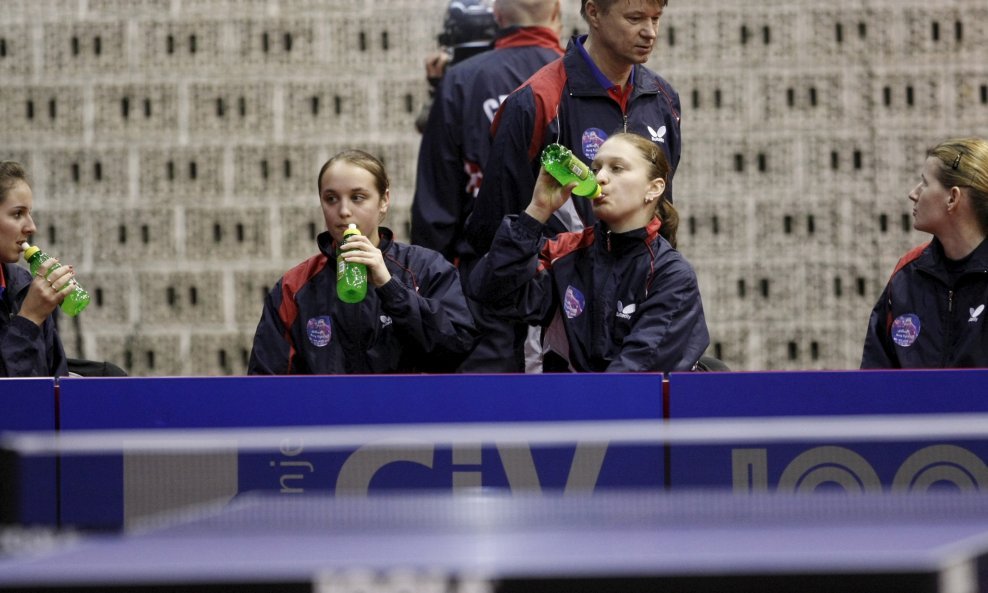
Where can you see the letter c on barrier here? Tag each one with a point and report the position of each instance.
(836, 465)
(941, 463)
(359, 468)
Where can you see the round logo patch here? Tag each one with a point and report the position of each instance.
(905, 329)
(573, 302)
(319, 330)
(591, 141)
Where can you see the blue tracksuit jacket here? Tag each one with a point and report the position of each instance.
(610, 301)
(417, 322)
(456, 141)
(923, 320)
(26, 350)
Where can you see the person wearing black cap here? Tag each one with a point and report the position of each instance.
(468, 29)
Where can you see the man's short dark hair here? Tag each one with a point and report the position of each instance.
(605, 5)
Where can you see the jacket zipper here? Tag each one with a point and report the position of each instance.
(625, 117)
(946, 330)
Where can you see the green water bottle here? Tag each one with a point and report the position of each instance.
(562, 164)
(75, 301)
(351, 278)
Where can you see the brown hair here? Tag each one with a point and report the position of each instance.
(659, 168)
(10, 173)
(605, 5)
(963, 162)
(364, 160)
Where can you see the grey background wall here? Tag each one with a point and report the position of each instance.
(174, 146)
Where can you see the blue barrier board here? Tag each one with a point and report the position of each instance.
(853, 467)
(827, 393)
(110, 492)
(28, 404)
(217, 402)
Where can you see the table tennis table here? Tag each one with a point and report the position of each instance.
(698, 541)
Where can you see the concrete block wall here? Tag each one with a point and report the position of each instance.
(174, 146)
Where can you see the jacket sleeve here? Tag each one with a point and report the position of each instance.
(670, 331)
(509, 174)
(438, 208)
(879, 353)
(435, 316)
(509, 280)
(273, 349)
(27, 350)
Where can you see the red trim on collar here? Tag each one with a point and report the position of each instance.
(621, 96)
(652, 228)
(529, 36)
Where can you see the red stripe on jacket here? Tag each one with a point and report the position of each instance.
(563, 244)
(291, 283)
(547, 88)
(904, 261)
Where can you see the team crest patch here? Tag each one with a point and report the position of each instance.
(573, 302)
(591, 141)
(905, 329)
(319, 330)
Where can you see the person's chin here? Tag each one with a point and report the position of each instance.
(642, 55)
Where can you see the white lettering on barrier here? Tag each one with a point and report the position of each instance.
(941, 463)
(288, 449)
(519, 466)
(359, 468)
(852, 472)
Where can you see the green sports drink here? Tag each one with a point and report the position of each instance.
(563, 165)
(351, 278)
(75, 301)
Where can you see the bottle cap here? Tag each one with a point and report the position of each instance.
(351, 230)
(30, 251)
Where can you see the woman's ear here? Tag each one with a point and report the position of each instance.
(655, 189)
(953, 198)
(384, 205)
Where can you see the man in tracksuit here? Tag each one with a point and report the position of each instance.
(598, 87)
(456, 143)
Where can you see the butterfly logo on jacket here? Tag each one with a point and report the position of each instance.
(625, 312)
(975, 313)
(657, 135)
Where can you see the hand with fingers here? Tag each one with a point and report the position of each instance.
(47, 291)
(359, 249)
(548, 196)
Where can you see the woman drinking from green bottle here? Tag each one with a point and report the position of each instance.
(29, 342)
(414, 317)
(615, 297)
